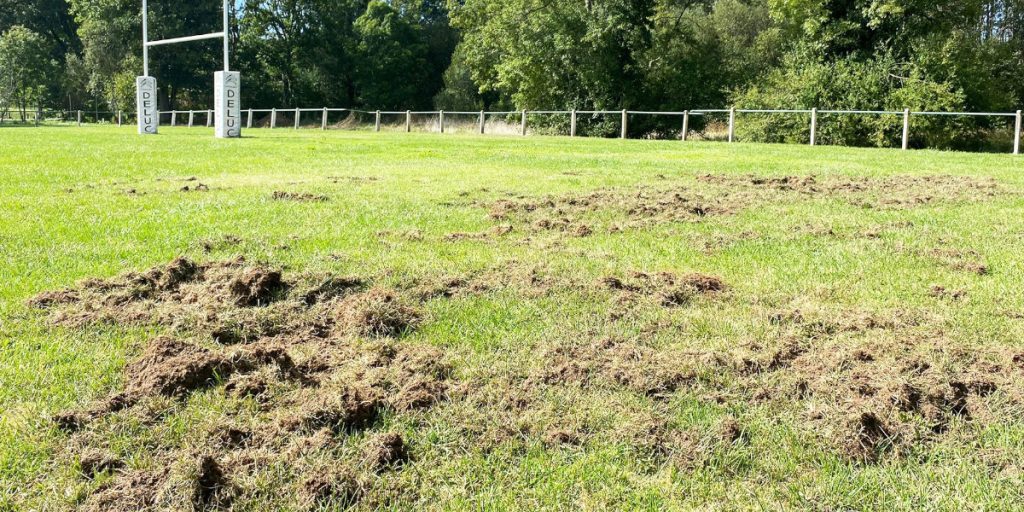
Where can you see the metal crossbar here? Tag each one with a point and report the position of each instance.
(214, 35)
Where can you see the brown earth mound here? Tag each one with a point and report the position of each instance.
(299, 197)
(612, 210)
(317, 371)
(575, 215)
(314, 380)
(669, 290)
(871, 192)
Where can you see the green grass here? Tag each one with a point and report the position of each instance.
(66, 216)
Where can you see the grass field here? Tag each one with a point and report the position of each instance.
(505, 323)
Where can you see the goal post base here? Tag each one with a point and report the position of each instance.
(227, 119)
(145, 105)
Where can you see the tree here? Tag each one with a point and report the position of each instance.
(391, 58)
(298, 52)
(26, 69)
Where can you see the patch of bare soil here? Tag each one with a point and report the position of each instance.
(875, 386)
(195, 188)
(302, 197)
(181, 294)
(667, 289)
(324, 370)
(870, 192)
(221, 243)
(613, 210)
(324, 364)
(384, 451)
(577, 215)
(959, 259)
(645, 370)
(131, 491)
(494, 232)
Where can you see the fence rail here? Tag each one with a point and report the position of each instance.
(120, 117)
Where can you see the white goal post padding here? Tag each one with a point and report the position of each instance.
(226, 84)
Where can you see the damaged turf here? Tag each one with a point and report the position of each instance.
(321, 377)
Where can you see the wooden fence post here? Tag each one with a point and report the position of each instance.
(174, 117)
(209, 118)
(1016, 134)
(732, 124)
(323, 119)
(440, 119)
(906, 129)
(686, 125)
(572, 123)
(522, 123)
(376, 122)
(191, 114)
(248, 120)
(273, 118)
(298, 115)
(625, 124)
(483, 122)
(119, 118)
(814, 125)
(408, 121)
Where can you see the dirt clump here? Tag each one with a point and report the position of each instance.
(494, 232)
(328, 288)
(576, 215)
(385, 451)
(667, 289)
(47, 300)
(336, 486)
(318, 357)
(281, 195)
(730, 431)
(963, 260)
(255, 286)
(888, 192)
(96, 461)
(561, 437)
(179, 292)
(136, 490)
(941, 292)
(173, 368)
(218, 244)
(420, 378)
(349, 408)
(614, 362)
(866, 436)
(377, 313)
(212, 488)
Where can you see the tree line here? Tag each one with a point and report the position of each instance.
(933, 55)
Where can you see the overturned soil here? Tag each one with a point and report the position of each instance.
(319, 357)
(319, 369)
(894, 192)
(615, 210)
(302, 197)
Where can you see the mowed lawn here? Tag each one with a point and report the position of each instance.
(859, 346)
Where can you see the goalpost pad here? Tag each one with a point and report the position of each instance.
(227, 111)
(145, 105)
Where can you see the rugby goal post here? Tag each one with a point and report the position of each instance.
(226, 84)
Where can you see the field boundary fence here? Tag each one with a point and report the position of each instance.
(500, 122)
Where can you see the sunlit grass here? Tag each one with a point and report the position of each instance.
(99, 201)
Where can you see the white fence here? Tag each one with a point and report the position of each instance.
(322, 115)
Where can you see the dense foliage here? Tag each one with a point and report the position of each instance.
(545, 54)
